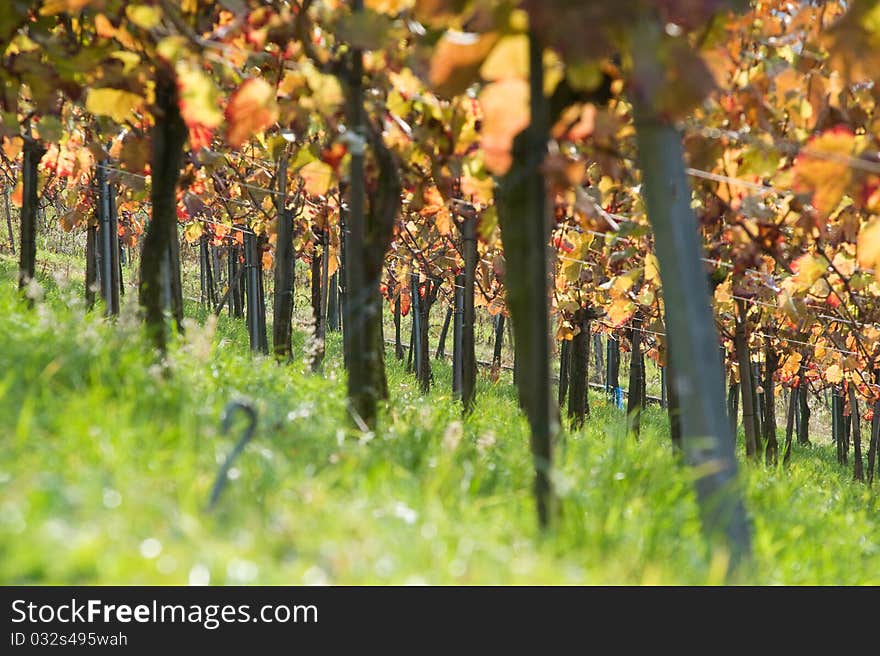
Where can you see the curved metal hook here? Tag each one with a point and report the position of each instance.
(228, 413)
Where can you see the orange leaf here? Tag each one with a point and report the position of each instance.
(53, 7)
(457, 60)
(823, 170)
(252, 108)
(12, 147)
(17, 195)
(505, 114)
(267, 260)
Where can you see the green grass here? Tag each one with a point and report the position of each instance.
(107, 460)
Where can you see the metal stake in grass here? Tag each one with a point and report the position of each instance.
(223, 474)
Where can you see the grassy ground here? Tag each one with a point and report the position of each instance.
(106, 464)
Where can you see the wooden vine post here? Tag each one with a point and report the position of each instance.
(108, 239)
(499, 341)
(523, 215)
(771, 363)
(91, 278)
(693, 342)
(458, 311)
(564, 366)
(27, 260)
(444, 332)
(168, 138)
(282, 312)
(858, 465)
(256, 314)
(746, 382)
(468, 354)
(635, 400)
(579, 368)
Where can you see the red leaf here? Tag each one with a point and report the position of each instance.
(252, 108)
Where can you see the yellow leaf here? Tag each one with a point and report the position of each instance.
(505, 107)
(192, 232)
(144, 16)
(129, 59)
(652, 269)
(199, 97)
(834, 374)
(171, 47)
(327, 94)
(792, 364)
(823, 169)
(620, 312)
(869, 245)
(252, 108)
(622, 284)
(809, 268)
(509, 58)
(115, 103)
(722, 291)
(317, 177)
(391, 7)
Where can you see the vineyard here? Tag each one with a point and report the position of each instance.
(439, 291)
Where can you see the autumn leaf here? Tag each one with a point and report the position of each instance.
(252, 108)
(808, 269)
(192, 232)
(505, 107)
(144, 16)
(199, 97)
(869, 245)
(117, 104)
(134, 153)
(17, 195)
(457, 59)
(267, 260)
(103, 27)
(71, 219)
(317, 177)
(857, 32)
(621, 311)
(652, 269)
(834, 374)
(53, 7)
(792, 365)
(391, 7)
(12, 147)
(822, 168)
(688, 80)
(509, 58)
